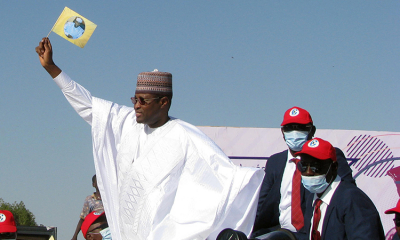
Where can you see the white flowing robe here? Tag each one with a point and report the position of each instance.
(171, 182)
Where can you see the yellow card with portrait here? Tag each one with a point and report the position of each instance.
(74, 27)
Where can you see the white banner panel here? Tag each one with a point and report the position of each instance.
(372, 155)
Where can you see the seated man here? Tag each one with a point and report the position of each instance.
(396, 219)
(8, 228)
(278, 207)
(337, 209)
(95, 227)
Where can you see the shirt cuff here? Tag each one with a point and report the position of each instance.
(62, 80)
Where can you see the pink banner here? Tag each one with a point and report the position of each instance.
(373, 156)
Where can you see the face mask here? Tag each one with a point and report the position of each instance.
(315, 184)
(295, 139)
(106, 234)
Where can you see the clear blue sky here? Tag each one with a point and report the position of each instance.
(234, 63)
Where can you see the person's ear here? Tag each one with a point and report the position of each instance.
(312, 132)
(283, 135)
(164, 101)
(334, 167)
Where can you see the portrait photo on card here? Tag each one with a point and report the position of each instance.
(74, 27)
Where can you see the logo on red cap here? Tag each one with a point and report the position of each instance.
(313, 143)
(294, 112)
(296, 115)
(2, 217)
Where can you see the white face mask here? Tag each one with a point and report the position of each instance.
(295, 139)
(106, 234)
(315, 184)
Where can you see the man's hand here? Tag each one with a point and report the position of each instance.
(45, 52)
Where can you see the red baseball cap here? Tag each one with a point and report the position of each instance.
(319, 149)
(7, 222)
(89, 219)
(394, 210)
(296, 115)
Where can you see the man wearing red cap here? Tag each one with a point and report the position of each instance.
(336, 209)
(396, 211)
(95, 227)
(8, 228)
(159, 177)
(282, 196)
(92, 203)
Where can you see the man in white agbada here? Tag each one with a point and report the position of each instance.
(159, 177)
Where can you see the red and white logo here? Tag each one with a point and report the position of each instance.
(294, 112)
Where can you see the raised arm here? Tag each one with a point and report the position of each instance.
(79, 98)
(45, 52)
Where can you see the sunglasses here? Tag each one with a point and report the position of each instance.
(296, 127)
(143, 101)
(316, 167)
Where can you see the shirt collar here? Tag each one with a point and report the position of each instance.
(330, 190)
(290, 157)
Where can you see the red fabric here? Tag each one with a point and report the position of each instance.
(316, 235)
(297, 214)
(7, 222)
(296, 115)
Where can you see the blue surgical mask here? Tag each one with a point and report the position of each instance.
(106, 234)
(295, 139)
(315, 184)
